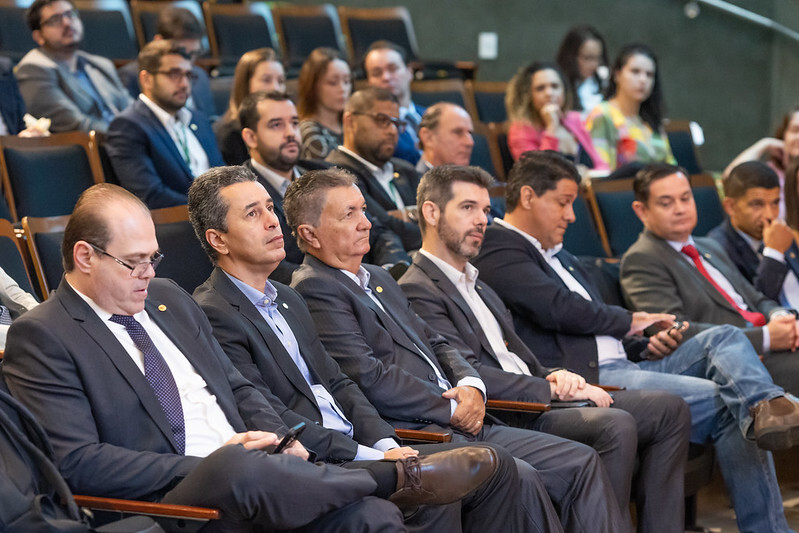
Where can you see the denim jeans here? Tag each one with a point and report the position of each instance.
(719, 375)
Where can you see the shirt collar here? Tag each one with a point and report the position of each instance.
(275, 180)
(468, 276)
(754, 244)
(547, 254)
(678, 246)
(183, 115)
(257, 298)
(104, 315)
(361, 278)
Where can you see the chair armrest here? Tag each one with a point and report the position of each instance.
(527, 407)
(609, 388)
(147, 508)
(417, 435)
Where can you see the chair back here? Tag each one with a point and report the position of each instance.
(221, 87)
(45, 236)
(582, 238)
(489, 100)
(13, 257)
(428, 92)
(611, 202)
(234, 29)
(363, 26)
(15, 37)
(43, 176)
(108, 29)
(305, 28)
(709, 210)
(682, 145)
(185, 261)
(145, 17)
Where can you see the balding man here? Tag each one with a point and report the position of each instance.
(445, 136)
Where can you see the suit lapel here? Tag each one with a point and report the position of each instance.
(163, 135)
(723, 268)
(367, 180)
(100, 82)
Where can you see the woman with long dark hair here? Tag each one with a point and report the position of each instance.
(583, 59)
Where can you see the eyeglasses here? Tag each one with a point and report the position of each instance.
(139, 269)
(176, 74)
(384, 121)
(58, 18)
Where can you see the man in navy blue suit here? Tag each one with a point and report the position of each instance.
(157, 146)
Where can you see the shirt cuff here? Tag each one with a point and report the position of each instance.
(366, 453)
(766, 340)
(774, 254)
(386, 444)
(477, 383)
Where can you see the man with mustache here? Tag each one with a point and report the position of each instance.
(75, 90)
(158, 146)
(270, 129)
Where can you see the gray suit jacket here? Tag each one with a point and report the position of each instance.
(51, 90)
(109, 433)
(260, 356)
(439, 303)
(381, 352)
(657, 278)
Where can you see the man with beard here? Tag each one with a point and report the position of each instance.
(270, 129)
(371, 126)
(157, 146)
(444, 290)
(75, 90)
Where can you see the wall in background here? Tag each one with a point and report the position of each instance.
(732, 77)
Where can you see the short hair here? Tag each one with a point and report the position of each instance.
(33, 16)
(152, 53)
(650, 173)
(749, 175)
(432, 117)
(245, 69)
(569, 51)
(248, 110)
(305, 197)
(207, 208)
(384, 45)
(311, 73)
(436, 185)
(539, 170)
(89, 219)
(178, 23)
(652, 109)
(364, 99)
(519, 95)
(791, 192)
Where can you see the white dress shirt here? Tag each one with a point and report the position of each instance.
(181, 130)
(384, 175)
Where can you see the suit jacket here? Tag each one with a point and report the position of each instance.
(657, 278)
(12, 107)
(439, 303)
(146, 160)
(407, 148)
(380, 354)
(108, 430)
(766, 274)
(259, 355)
(202, 99)
(51, 90)
(378, 202)
(385, 246)
(561, 325)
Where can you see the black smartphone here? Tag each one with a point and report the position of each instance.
(293, 434)
(678, 325)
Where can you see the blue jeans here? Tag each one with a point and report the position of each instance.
(719, 375)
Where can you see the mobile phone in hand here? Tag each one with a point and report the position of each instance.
(290, 437)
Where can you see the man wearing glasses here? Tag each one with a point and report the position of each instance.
(158, 146)
(76, 90)
(388, 184)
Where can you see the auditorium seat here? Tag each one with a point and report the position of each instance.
(108, 29)
(234, 29)
(302, 29)
(44, 236)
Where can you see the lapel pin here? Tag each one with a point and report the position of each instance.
(707, 256)
(194, 127)
(793, 255)
(379, 288)
(162, 307)
(571, 269)
(396, 174)
(285, 305)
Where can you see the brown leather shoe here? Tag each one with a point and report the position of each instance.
(443, 477)
(777, 423)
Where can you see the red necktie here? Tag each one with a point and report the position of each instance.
(756, 319)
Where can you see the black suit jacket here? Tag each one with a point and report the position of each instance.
(378, 202)
(12, 106)
(439, 303)
(108, 430)
(548, 316)
(261, 357)
(380, 354)
(767, 275)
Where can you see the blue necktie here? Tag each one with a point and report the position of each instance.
(159, 377)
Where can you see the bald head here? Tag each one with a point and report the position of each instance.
(445, 135)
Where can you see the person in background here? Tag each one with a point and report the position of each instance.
(14, 302)
(12, 106)
(583, 58)
(627, 126)
(536, 102)
(257, 70)
(325, 85)
(445, 136)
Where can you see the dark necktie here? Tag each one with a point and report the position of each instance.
(756, 319)
(159, 377)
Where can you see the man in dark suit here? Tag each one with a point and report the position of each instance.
(371, 125)
(444, 290)
(558, 311)
(181, 26)
(12, 106)
(270, 129)
(74, 89)
(276, 347)
(140, 401)
(760, 244)
(157, 146)
(408, 372)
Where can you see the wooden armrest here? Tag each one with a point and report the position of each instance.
(507, 405)
(610, 388)
(147, 508)
(423, 436)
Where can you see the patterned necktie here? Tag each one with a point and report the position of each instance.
(756, 319)
(159, 377)
(5, 316)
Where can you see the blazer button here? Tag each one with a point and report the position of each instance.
(431, 376)
(592, 364)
